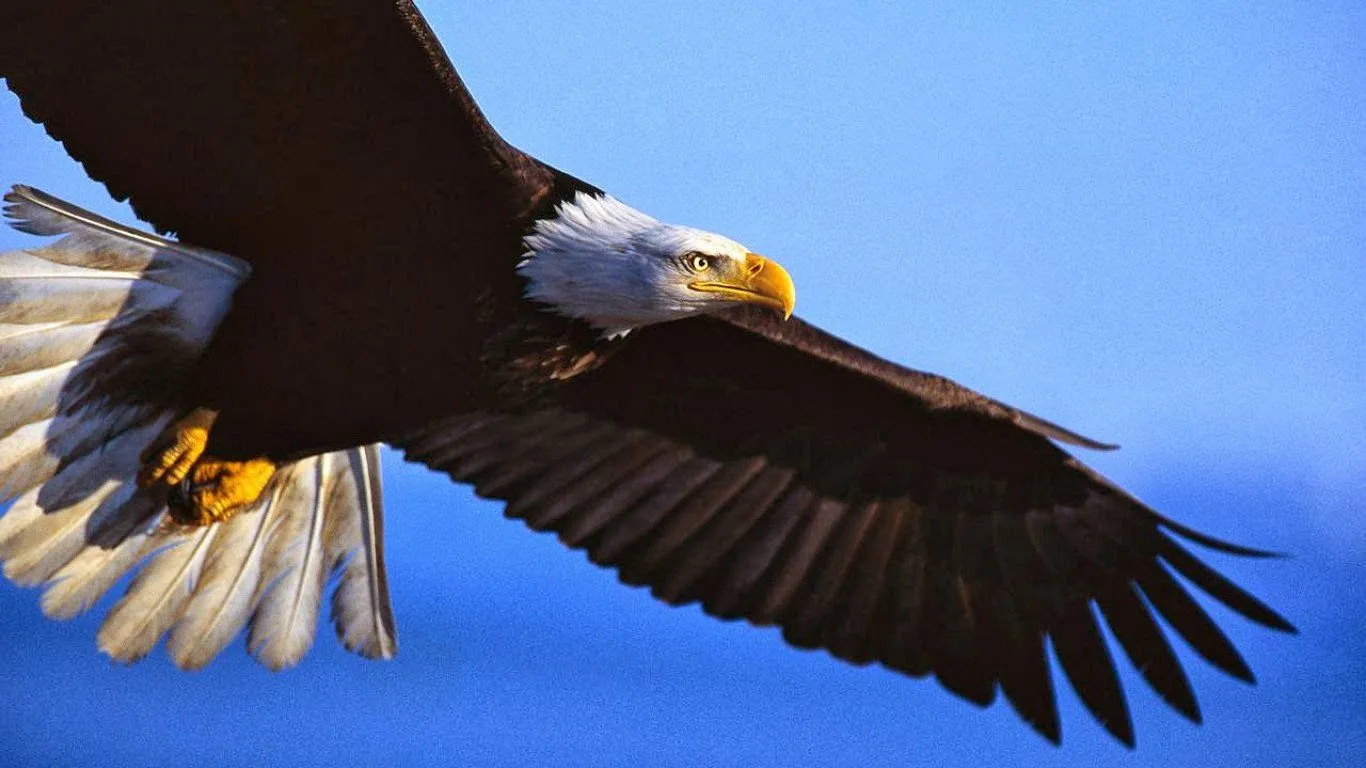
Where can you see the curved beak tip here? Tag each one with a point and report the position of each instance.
(770, 281)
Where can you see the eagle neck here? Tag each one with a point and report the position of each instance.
(583, 262)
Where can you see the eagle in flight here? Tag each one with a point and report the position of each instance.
(359, 258)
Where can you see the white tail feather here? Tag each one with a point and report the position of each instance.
(157, 597)
(53, 537)
(25, 461)
(226, 596)
(361, 612)
(56, 521)
(283, 628)
(38, 291)
(32, 454)
(30, 397)
(70, 447)
(110, 553)
(48, 344)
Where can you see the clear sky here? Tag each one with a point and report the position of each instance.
(1146, 222)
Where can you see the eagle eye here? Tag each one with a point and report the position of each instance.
(697, 262)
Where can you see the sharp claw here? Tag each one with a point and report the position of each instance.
(172, 455)
(200, 489)
(216, 490)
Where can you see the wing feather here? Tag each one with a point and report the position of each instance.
(805, 619)
(138, 125)
(1088, 665)
(735, 595)
(1148, 649)
(1218, 586)
(691, 514)
(799, 561)
(880, 513)
(592, 516)
(710, 544)
(1029, 586)
(1190, 621)
(631, 526)
(594, 484)
(851, 627)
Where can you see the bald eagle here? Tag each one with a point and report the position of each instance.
(360, 259)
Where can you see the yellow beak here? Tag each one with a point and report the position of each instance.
(761, 282)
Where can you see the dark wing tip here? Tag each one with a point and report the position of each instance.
(1053, 737)
(1218, 545)
(1049, 728)
(1219, 587)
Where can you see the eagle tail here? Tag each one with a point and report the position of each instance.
(98, 330)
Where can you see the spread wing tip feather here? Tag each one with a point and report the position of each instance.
(1217, 544)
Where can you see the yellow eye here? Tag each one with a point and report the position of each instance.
(699, 263)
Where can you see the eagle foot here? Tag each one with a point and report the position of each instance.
(201, 489)
(217, 489)
(169, 459)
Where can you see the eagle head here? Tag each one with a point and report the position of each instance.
(616, 268)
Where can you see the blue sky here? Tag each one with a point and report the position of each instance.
(1144, 222)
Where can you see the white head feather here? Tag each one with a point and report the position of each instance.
(606, 263)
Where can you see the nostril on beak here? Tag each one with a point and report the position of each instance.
(756, 267)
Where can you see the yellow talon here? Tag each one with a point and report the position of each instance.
(169, 458)
(217, 489)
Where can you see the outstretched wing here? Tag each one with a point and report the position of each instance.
(776, 474)
(232, 123)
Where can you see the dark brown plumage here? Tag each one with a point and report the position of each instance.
(333, 145)
(884, 514)
(760, 467)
